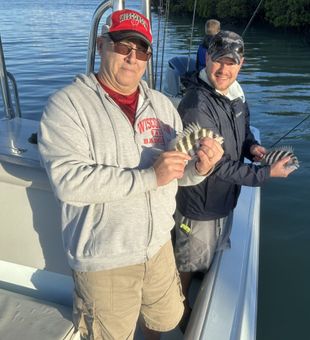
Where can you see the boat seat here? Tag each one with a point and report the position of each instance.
(26, 318)
(177, 70)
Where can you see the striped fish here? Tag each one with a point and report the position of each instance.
(275, 154)
(188, 140)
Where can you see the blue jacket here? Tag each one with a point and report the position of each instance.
(217, 195)
(201, 57)
(201, 53)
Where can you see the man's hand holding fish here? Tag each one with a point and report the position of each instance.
(209, 153)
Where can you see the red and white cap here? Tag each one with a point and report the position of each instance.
(127, 23)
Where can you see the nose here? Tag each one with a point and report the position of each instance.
(131, 57)
(223, 68)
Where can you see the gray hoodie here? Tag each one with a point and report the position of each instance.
(100, 168)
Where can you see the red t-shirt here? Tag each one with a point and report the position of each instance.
(128, 103)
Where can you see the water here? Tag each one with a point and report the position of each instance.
(45, 44)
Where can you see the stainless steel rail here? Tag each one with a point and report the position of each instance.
(5, 89)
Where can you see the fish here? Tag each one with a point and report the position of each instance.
(275, 154)
(188, 141)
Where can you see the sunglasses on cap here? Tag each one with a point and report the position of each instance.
(124, 49)
(219, 43)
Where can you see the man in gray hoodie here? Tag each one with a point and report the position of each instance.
(104, 141)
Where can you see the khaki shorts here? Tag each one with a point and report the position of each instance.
(107, 304)
(197, 241)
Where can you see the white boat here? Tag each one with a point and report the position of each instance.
(35, 282)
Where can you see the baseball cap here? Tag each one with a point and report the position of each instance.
(226, 44)
(127, 23)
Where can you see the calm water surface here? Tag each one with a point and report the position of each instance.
(45, 44)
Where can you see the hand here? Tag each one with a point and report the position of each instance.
(169, 166)
(278, 168)
(258, 152)
(209, 154)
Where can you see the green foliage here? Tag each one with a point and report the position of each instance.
(206, 9)
(238, 10)
(291, 13)
(228, 10)
(280, 13)
(178, 6)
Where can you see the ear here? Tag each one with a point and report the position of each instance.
(241, 62)
(105, 29)
(208, 58)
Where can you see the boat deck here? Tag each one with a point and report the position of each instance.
(33, 264)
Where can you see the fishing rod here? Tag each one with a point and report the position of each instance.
(290, 131)
(164, 42)
(160, 14)
(191, 38)
(249, 23)
(243, 33)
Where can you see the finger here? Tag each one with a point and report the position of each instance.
(208, 151)
(285, 160)
(258, 158)
(263, 150)
(291, 169)
(217, 147)
(212, 144)
(258, 151)
(203, 157)
(176, 163)
(206, 141)
(176, 154)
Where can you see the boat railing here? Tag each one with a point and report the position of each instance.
(101, 9)
(5, 76)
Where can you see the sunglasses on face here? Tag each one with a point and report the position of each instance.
(124, 49)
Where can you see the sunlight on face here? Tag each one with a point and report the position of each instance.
(222, 72)
(120, 72)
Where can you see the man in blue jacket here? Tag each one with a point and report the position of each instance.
(215, 100)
